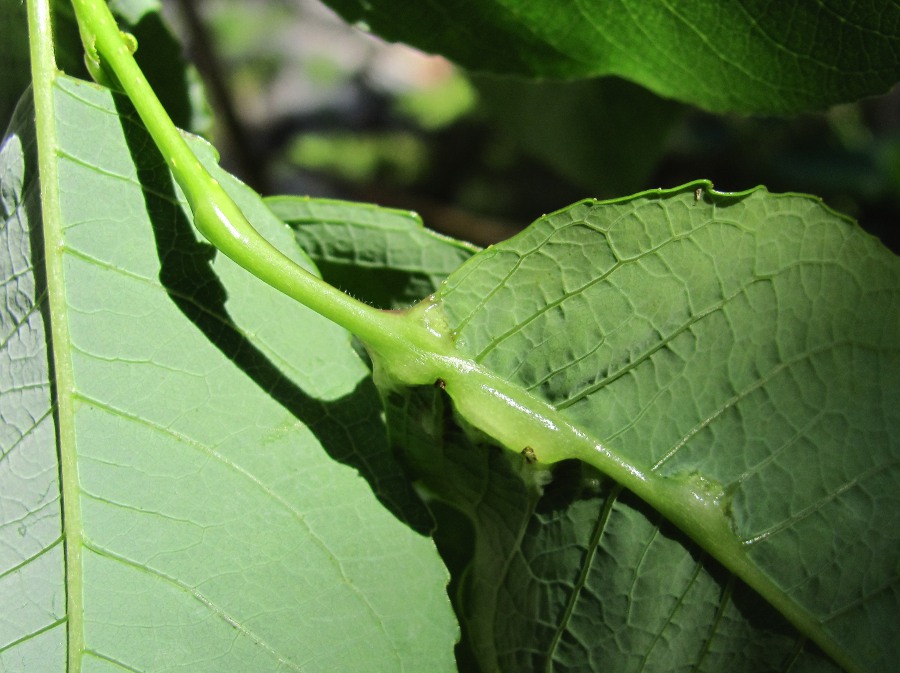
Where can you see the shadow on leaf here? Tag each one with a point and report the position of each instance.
(187, 275)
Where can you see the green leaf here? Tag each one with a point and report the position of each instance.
(741, 346)
(214, 514)
(756, 56)
(32, 576)
(380, 255)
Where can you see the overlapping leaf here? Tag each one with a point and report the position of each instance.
(382, 256)
(604, 135)
(218, 433)
(747, 340)
(575, 574)
(725, 56)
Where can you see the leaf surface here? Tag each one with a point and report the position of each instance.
(754, 56)
(219, 433)
(380, 255)
(32, 574)
(740, 345)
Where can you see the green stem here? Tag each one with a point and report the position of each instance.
(216, 215)
(43, 75)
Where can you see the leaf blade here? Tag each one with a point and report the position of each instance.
(31, 563)
(652, 331)
(213, 517)
(747, 57)
(383, 256)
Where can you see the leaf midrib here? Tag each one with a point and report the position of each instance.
(44, 73)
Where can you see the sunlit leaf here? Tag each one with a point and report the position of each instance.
(215, 517)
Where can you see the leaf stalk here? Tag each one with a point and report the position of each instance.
(216, 215)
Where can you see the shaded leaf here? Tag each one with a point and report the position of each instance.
(380, 255)
(32, 578)
(747, 342)
(756, 56)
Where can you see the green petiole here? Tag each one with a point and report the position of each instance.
(216, 216)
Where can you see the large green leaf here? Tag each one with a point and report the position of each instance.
(577, 574)
(743, 56)
(213, 510)
(745, 344)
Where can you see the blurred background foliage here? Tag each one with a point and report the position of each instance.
(304, 104)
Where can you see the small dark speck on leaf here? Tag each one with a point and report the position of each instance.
(528, 453)
(440, 384)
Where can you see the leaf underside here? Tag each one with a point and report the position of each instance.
(384, 256)
(220, 431)
(31, 550)
(746, 340)
(751, 57)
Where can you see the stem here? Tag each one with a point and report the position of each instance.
(43, 75)
(216, 215)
